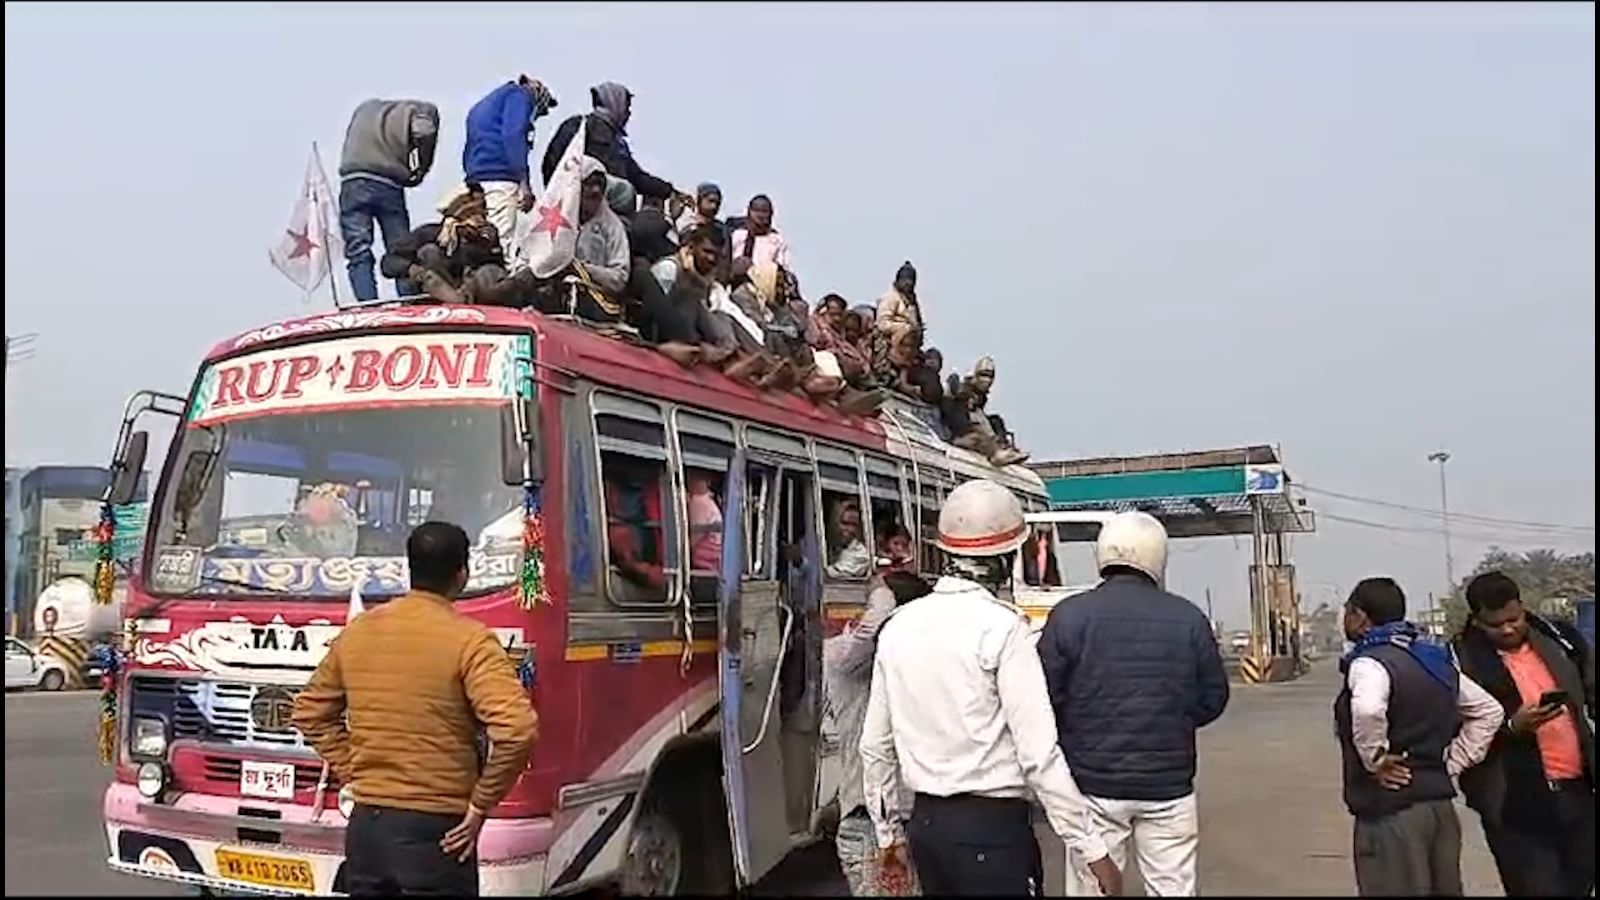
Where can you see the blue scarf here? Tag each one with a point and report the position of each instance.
(1431, 654)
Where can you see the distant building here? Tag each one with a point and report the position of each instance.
(1435, 621)
(57, 510)
(13, 541)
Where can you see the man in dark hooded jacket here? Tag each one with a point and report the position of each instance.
(606, 139)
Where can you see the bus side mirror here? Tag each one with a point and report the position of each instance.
(519, 442)
(129, 466)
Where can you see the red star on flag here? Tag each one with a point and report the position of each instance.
(303, 244)
(551, 220)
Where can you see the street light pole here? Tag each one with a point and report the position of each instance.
(1441, 457)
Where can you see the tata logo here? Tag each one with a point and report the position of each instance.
(272, 709)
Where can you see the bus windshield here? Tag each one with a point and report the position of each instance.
(312, 503)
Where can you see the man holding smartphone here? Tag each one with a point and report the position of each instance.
(1535, 790)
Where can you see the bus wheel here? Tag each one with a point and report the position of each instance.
(654, 863)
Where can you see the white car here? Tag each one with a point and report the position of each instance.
(28, 668)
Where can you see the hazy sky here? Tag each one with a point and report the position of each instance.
(1358, 231)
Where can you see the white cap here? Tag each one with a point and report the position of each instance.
(1136, 540)
(981, 518)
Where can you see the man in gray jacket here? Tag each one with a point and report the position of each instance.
(387, 148)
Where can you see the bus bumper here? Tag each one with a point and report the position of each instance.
(278, 849)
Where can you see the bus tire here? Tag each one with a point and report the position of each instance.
(679, 844)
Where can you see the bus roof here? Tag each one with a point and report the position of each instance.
(900, 429)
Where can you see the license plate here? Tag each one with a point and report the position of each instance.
(270, 781)
(269, 871)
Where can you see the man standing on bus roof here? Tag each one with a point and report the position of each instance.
(388, 147)
(974, 756)
(499, 137)
(1133, 671)
(417, 679)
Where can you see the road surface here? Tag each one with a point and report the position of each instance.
(1271, 818)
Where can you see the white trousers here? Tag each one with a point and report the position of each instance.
(1166, 843)
(503, 199)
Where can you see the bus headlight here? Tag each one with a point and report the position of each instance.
(347, 802)
(152, 779)
(149, 738)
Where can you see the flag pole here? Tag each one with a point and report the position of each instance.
(327, 251)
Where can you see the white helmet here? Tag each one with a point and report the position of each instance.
(1136, 540)
(981, 518)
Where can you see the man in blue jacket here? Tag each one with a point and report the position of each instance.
(499, 137)
(1133, 672)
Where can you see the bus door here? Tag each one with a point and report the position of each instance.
(756, 624)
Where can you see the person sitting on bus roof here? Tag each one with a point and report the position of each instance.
(651, 235)
(707, 203)
(896, 357)
(981, 434)
(601, 264)
(898, 309)
(831, 334)
(925, 376)
(676, 307)
(606, 139)
(439, 257)
(756, 240)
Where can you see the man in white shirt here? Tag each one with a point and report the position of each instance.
(1407, 722)
(960, 714)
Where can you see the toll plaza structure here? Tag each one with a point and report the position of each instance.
(1206, 493)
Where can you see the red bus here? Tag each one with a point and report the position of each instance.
(700, 538)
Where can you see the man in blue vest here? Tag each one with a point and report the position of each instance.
(1407, 722)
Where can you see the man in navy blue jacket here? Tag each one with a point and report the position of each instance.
(499, 137)
(1133, 672)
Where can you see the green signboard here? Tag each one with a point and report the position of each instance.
(126, 540)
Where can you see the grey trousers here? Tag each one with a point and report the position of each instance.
(1415, 852)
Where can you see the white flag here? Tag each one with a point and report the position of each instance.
(357, 607)
(548, 237)
(304, 254)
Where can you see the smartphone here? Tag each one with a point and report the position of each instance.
(1553, 698)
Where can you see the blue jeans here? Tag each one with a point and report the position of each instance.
(360, 201)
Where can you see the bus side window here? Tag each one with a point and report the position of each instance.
(705, 483)
(844, 527)
(758, 529)
(931, 560)
(637, 506)
(892, 541)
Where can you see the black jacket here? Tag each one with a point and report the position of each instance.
(1423, 720)
(603, 142)
(1509, 785)
(1133, 671)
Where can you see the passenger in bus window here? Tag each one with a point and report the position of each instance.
(852, 559)
(1038, 562)
(705, 522)
(633, 525)
(894, 548)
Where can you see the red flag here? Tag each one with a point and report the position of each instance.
(304, 253)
